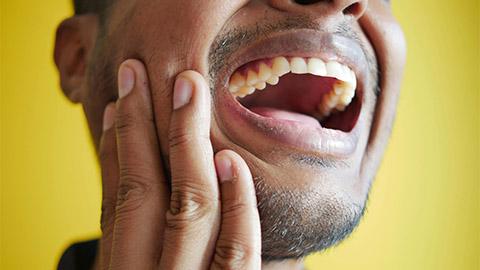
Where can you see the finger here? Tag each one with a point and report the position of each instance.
(142, 192)
(109, 166)
(239, 242)
(193, 218)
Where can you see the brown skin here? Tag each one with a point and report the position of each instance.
(136, 195)
(88, 69)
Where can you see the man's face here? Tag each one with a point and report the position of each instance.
(312, 165)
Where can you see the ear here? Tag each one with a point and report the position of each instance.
(75, 40)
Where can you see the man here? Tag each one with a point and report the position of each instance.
(196, 106)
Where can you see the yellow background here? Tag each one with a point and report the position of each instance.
(424, 207)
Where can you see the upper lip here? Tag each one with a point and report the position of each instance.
(300, 43)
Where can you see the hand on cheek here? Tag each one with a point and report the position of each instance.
(206, 219)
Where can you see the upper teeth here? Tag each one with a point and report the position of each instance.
(245, 83)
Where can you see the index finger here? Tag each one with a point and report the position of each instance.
(193, 219)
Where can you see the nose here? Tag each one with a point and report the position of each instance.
(354, 8)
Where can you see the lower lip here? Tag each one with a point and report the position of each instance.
(299, 135)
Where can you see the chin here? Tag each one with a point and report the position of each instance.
(311, 218)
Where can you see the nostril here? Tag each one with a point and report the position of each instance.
(353, 9)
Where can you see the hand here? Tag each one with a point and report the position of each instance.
(207, 219)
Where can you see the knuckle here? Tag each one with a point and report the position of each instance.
(234, 208)
(132, 193)
(178, 136)
(132, 114)
(232, 253)
(190, 206)
(125, 122)
(181, 135)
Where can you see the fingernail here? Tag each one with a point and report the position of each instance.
(182, 92)
(108, 116)
(126, 80)
(224, 168)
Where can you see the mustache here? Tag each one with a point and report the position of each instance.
(233, 39)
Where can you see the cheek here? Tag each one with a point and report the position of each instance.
(388, 42)
(100, 90)
(175, 36)
(387, 39)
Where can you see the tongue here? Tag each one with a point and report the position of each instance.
(285, 115)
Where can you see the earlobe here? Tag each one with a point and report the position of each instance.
(75, 40)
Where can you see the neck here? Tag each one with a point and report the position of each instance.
(291, 264)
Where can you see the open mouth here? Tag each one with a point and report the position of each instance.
(297, 91)
(303, 90)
